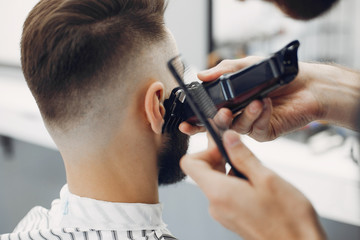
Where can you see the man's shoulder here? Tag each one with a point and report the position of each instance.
(36, 218)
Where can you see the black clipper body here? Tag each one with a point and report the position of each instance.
(236, 90)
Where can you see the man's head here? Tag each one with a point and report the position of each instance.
(97, 70)
(304, 9)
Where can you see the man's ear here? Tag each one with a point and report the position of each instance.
(154, 107)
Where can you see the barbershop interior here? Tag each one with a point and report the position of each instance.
(321, 160)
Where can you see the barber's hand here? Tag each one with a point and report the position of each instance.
(263, 207)
(286, 109)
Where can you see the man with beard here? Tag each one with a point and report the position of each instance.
(98, 72)
(265, 206)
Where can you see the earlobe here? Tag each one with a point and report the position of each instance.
(153, 106)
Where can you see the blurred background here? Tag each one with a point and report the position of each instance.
(321, 160)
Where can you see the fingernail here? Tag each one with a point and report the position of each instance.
(231, 138)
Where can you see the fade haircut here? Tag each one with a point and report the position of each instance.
(72, 48)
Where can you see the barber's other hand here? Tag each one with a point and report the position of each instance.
(286, 109)
(263, 207)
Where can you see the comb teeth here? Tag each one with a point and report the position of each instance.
(185, 74)
(197, 91)
(203, 100)
(178, 66)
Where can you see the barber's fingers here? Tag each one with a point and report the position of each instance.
(254, 121)
(216, 158)
(212, 156)
(211, 142)
(241, 157)
(227, 66)
(244, 122)
(189, 129)
(200, 167)
(223, 118)
(261, 128)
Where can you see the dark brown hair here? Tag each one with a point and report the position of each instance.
(71, 47)
(304, 9)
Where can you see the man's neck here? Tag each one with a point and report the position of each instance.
(125, 171)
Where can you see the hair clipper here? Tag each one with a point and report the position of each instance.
(235, 90)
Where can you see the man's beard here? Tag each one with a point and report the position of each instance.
(174, 146)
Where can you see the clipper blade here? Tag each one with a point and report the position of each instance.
(188, 76)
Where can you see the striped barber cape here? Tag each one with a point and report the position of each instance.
(76, 218)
